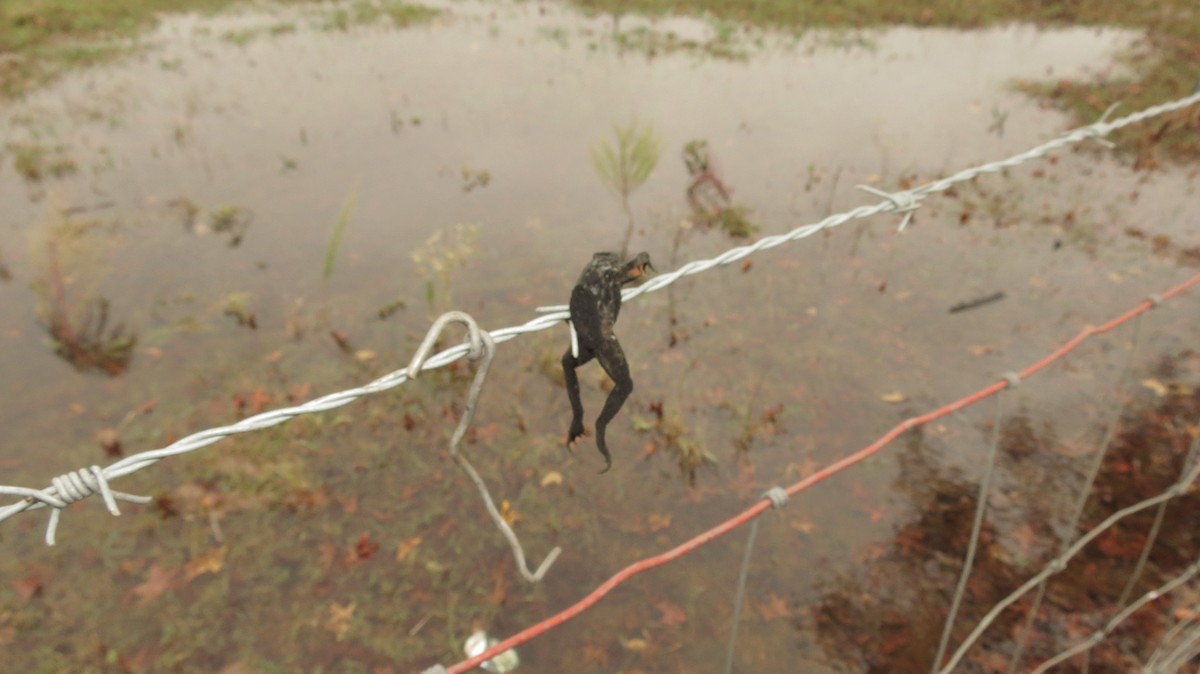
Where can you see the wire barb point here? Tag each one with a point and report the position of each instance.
(905, 201)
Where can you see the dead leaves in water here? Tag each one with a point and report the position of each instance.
(338, 620)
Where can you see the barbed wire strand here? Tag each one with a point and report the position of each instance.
(1192, 456)
(985, 483)
(1085, 491)
(481, 346)
(819, 476)
(1099, 635)
(779, 498)
(80, 484)
(1059, 563)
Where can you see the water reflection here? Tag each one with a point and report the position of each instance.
(890, 618)
(78, 327)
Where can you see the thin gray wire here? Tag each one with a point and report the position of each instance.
(980, 507)
(1059, 563)
(1098, 636)
(1192, 455)
(778, 497)
(95, 480)
(1166, 659)
(1191, 617)
(1084, 491)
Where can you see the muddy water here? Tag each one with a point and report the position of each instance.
(485, 116)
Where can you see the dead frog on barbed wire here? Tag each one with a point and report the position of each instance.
(595, 304)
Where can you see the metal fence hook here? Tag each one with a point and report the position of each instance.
(481, 344)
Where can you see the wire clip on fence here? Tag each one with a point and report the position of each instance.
(58, 495)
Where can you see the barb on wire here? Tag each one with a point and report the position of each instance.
(906, 202)
(552, 316)
(482, 345)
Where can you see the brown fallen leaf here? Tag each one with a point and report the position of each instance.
(634, 645)
(773, 608)
(364, 548)
(658, 522)
(338, 621)
(110, 441)
(211, 561)
(499, 585)
(671, 612)
(158, 580)
(803, 526)
(509, 513)
(238, 667)
(27, 588)
(1155, 385)
(407, 546)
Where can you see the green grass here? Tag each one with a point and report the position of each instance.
(35, 162)
(41, 39)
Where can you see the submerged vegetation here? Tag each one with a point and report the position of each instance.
(625, 166)
(442, 253)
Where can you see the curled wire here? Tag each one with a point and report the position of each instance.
(480, 345)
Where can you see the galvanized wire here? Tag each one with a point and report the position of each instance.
(1170, 655)
(1098, 636)
(82, 483)
(779, 498)
(985, 483)
(481, 347)
(1192, 457)
(1059, 563)
(1085, 491)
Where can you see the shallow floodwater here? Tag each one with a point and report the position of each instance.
(213, 169)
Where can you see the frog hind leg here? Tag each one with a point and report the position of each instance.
(569, 363)
(612, 359)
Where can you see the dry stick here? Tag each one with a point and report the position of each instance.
(1084, 492)
(1060, 562)
(980, 507)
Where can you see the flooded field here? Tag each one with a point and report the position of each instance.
(262, 207)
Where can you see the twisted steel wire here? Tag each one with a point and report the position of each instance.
(899, 202)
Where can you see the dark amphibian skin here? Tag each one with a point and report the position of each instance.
(595, 304)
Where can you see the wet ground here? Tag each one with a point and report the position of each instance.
(167, 239)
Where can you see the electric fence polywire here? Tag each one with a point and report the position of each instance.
(82, 483)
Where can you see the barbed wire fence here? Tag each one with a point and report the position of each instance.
(1179, 645)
